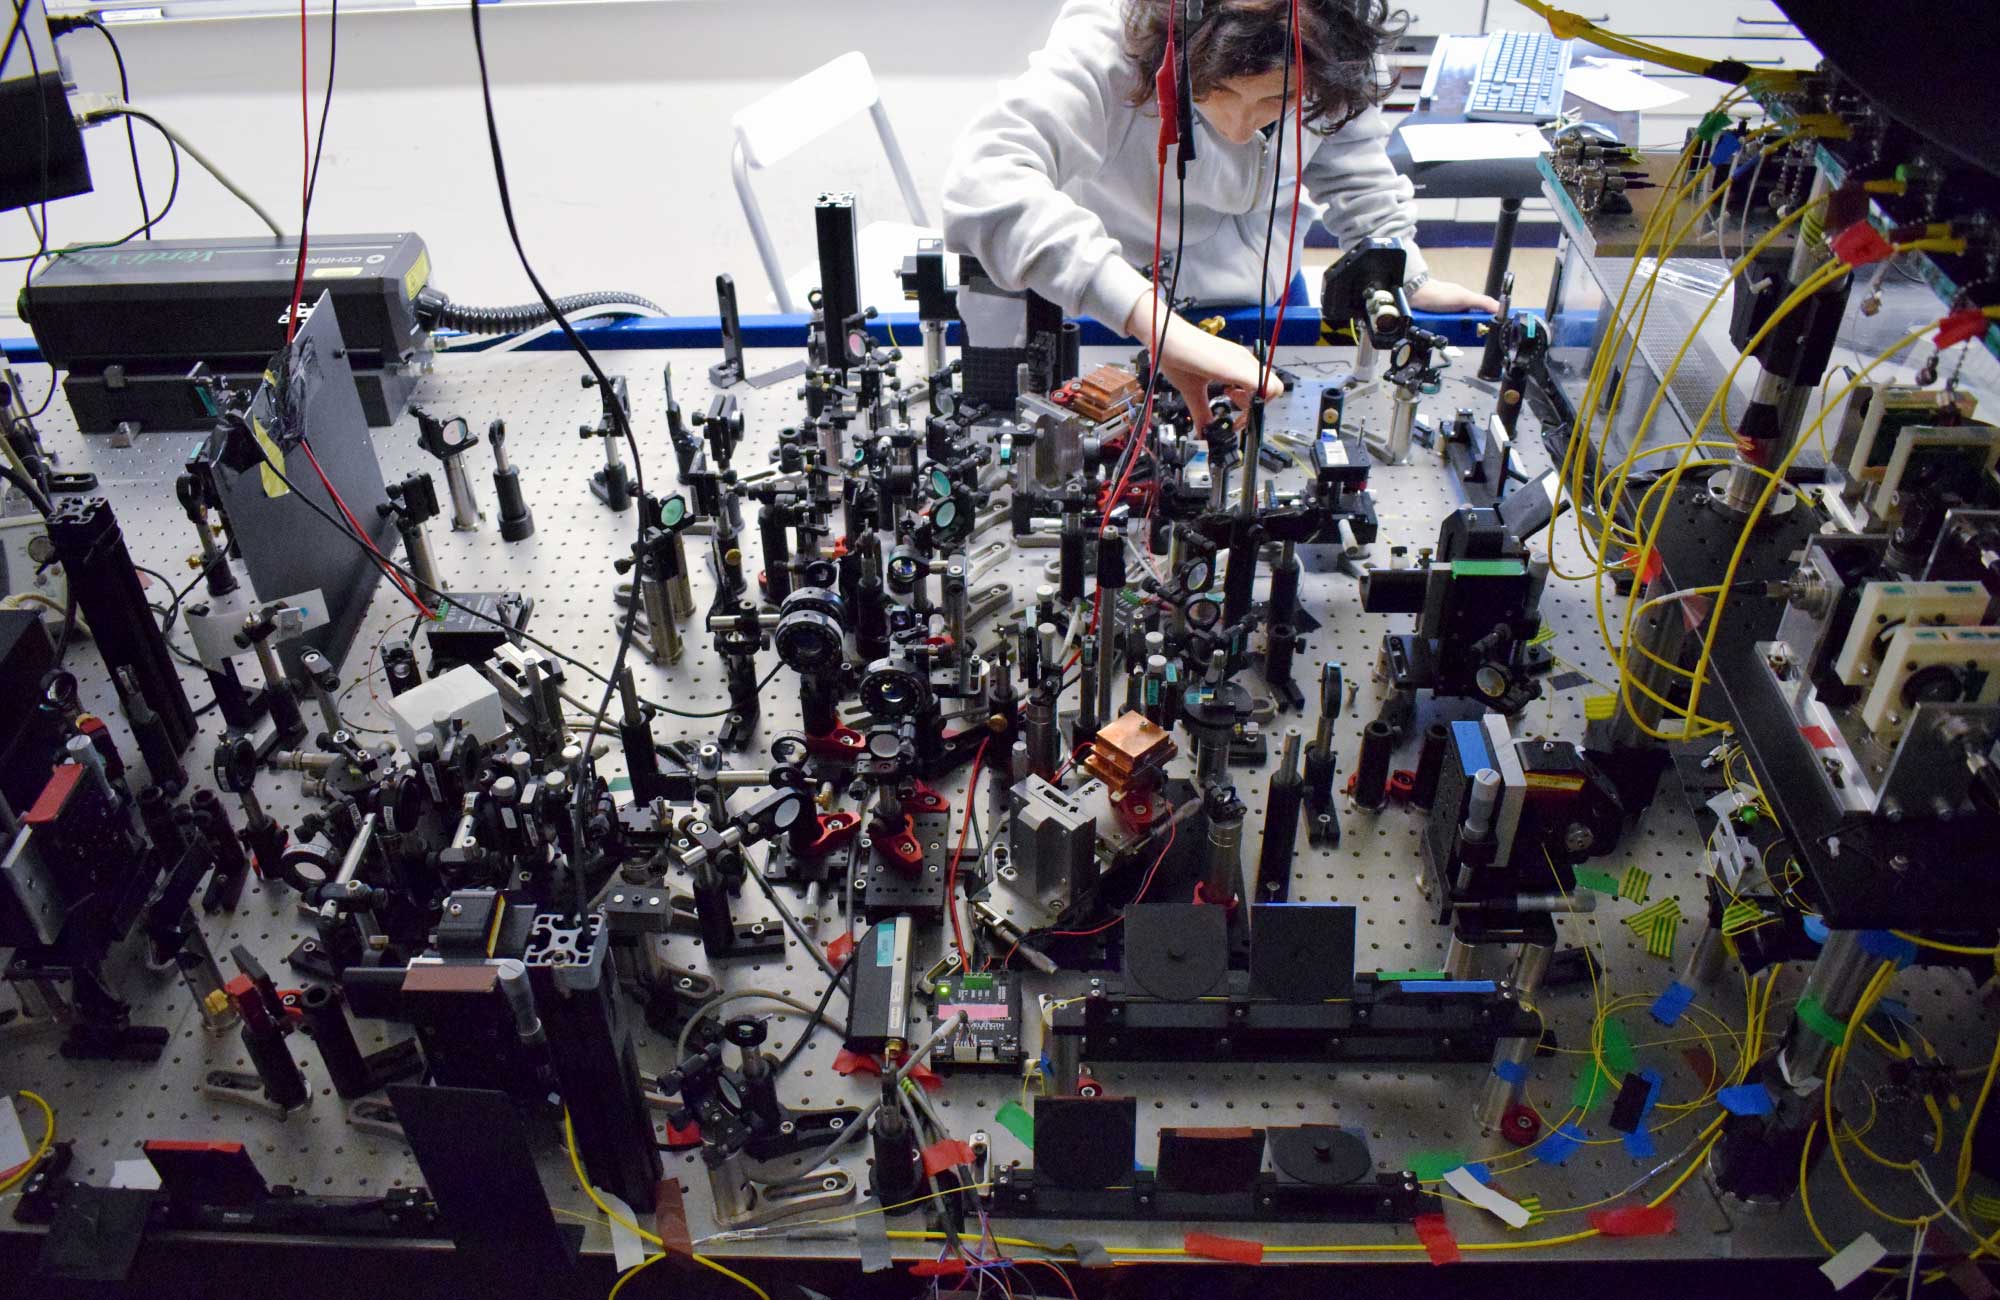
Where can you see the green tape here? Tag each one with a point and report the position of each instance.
(1487, 568)
(1601, 881)
(1618, 1050)
(1711, 126)
(1018, 1122)
(1399, 976)
(1822, 1022)
(1431, 1166)
(1589, 1087)
(620, 784)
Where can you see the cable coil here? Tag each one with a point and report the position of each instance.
(436, 311)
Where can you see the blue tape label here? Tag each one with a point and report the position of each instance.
(1745, 1099)
(1671, 1005)
(1558, 1145)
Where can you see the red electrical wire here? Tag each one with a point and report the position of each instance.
(1173, 829)
(951, 872)
(305, 182)
(362, 533)
(1154, 333)
(1298, 185)
(1058, 1270)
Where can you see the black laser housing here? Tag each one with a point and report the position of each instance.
(127, 324)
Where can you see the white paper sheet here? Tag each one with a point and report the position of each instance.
(1472, 141)
(1620, 90)
(1854, 1259)
(135, 1173)
(1508, 1211)
(627, 1250)
(14, 1150)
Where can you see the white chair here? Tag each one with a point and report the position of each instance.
(778, 126)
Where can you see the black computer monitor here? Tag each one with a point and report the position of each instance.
(43, 158)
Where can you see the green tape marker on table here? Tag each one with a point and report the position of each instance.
(1405, 976)
(1821, 1021)
(1618, 1049)
(1018, 1122)
(1601, 881)
(1430, 1166)
(1589, 1087)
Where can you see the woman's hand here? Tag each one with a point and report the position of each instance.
(1191, 359)
(1443, 295)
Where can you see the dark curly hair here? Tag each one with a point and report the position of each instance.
(1245, 38)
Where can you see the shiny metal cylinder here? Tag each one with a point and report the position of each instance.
(1402, 419)
(933, 347)
(83, 752)
(417, 552)
(1484, 805)
(267, 664)
(954, 619)
(1107, 658)
(1253, 442)
(1510, 1058)
(1835, 984)
(199, 972)
(315, 665)
(1531, 967)
(513, 980)
(1044, 743)
(1211, 758)
(464, 502)
(1705, 959)
(1222, 867)
(1065, 1053)
(663, 637)
(1329, 706)
(680, 590)
(1810, 250)
(1458, 959)
(729, 1187)
(1660, 631)
(1051, 649)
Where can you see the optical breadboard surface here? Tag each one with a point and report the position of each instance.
(1410, 1115)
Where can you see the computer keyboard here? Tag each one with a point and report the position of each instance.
(1520, 78)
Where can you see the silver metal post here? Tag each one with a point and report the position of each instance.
(465, 514)
(1835, 985)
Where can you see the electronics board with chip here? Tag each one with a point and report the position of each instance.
(991, 1034)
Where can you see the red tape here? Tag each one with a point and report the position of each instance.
(837, 951)
(1165, 88)
(1436, 1236)
(1860, 244)
(1702, 1062)
(1634, 1221)
(1968, 323)
(942, 1155)
(670, 1218)
(938, 1268)
(852, 1062)
(1233, 1250)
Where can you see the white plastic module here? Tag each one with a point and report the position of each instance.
(1922, 664)
(1887, 607)
(459, 695)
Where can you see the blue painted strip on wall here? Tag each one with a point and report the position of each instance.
(651, 332)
